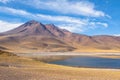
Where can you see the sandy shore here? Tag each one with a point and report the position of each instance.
(70, 53)
(44, 54)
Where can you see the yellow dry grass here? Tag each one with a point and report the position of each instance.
(20, 68)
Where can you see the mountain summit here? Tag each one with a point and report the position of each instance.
(34, 36)
(30, 28)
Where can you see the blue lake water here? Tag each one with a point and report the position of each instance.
(90, 62)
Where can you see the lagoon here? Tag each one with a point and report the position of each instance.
(90, 62)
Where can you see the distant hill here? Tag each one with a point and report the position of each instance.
(34, 36)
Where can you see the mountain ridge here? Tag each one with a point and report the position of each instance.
(34, 36)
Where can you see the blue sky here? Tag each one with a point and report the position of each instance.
(91, 17)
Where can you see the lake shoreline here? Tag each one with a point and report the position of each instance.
(22, 68)
(49, 57)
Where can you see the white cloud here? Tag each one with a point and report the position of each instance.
(103, 24)
(77, 28)
(65, 19)
(117, 35)
(84, 8)
(5, 26)
(5, 1)
(98, 24)
(70, 23)
(73, 24)
(13, 11)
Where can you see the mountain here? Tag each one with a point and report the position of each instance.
(34, 36)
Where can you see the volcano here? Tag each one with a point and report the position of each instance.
(34, 36)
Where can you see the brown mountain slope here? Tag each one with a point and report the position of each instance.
(32, 36)
(35, 37)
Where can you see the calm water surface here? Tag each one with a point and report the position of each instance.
(90, 62)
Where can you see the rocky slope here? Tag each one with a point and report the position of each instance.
(34, 36)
